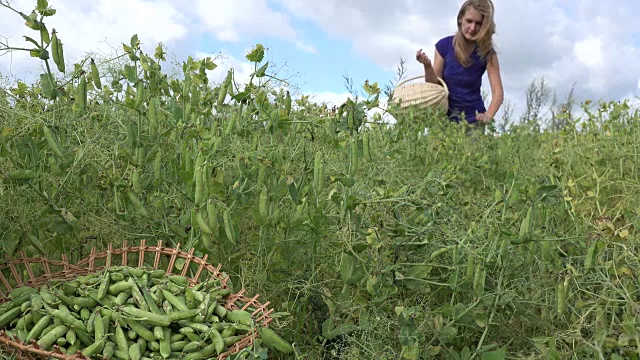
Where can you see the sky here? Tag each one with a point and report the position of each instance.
(590, 45)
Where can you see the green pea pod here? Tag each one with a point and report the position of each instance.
(84, 302)
(121, 339)
(51, 141)
(16, 302)
(9, 316)
(230, 340)
(178, 280)
(240, 316)
(273, 340)
(107, 352)
(165, 343)
(25, 306)
(57, 51)
(74, 348)
(137, 295)
(205, 353)
(151, 304)
(117, 276)
(182, 315)
(85, 314)
(174, 301)
(178, 346)
(148, 317)
(154, 346)
(98, 327)
(94, 348)
(119, 287)
(217, 341)
(95, 75)
(141, 330)
(192, 347)
(39, 327)
(36, 302)
(71, 336)
(52, 336)
(68, 319)
(84, 337)
(189, 333)
(22, 290)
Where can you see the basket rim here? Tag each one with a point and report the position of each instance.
(442, 82)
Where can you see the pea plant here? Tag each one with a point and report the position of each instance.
(373, 239)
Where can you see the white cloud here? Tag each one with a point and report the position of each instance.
(590, 52)
(306, 47)
(233, 21)
(100, 26)
(330, 98)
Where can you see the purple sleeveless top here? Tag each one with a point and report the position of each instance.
(463, 83)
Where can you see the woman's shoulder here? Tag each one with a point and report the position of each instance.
(447, 40)
(443, 45)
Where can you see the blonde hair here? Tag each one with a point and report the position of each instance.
(462, 47)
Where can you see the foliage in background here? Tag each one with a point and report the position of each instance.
(372, 240)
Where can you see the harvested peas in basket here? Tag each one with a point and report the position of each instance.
(130, 314)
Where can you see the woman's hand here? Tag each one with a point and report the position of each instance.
(423, 58)
(483, 118)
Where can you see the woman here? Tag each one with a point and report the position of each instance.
(462, 59)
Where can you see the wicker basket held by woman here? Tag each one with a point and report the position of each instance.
(422, 94)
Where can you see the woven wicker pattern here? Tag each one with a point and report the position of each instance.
(140, 255)
(422, 94)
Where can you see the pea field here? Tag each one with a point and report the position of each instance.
(371, 240)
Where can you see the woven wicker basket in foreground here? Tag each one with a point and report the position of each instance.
(422, 94)
(158, 257)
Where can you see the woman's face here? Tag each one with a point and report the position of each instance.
(471, 23)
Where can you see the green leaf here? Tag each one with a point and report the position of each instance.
(37, 244)
(44, 55)
(159, 53)
(421, 271)
(127, 48)
(330, 332)
(494, 355)
(209, 64)
(68, 217)
(257, 54)
(525, 226)
(48, 12)
(9, 244)
(448, 334)
(371, 89)
(347, 268)
(177, 112)
(411, 352)
(262, 71)
(48, 86)
(465, 354)
(31, 40)
(42, 6)
(293, 192)
(179, 264)
(130, 73)
(409, 334)
(134, 41)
